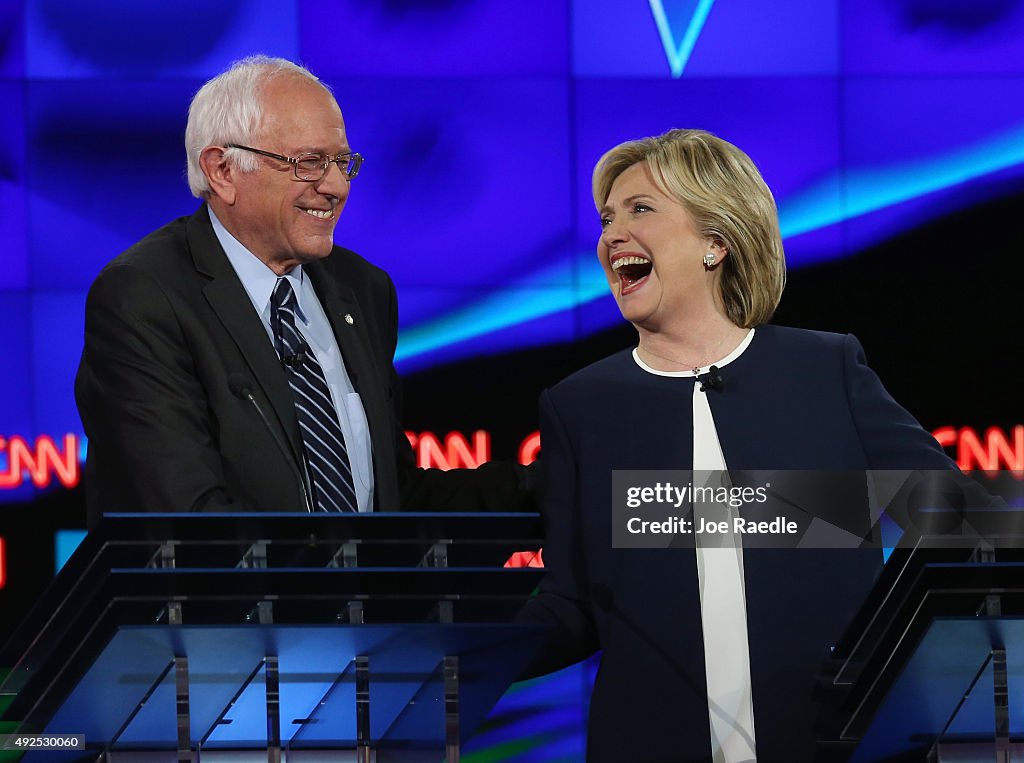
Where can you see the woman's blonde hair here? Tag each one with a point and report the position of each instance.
(721, 188)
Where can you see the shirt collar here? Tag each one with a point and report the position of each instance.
(259, 280)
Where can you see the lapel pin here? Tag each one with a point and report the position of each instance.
(349, 319)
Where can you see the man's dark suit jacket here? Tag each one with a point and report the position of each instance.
(168, 327)
(793, 400)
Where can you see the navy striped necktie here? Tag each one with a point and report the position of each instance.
(327, 457)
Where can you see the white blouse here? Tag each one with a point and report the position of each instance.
(722, 598)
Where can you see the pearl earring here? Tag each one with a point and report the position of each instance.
(709, 260)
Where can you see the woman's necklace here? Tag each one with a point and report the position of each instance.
(709, 355)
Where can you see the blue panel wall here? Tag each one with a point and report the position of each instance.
(115, 39)
(892, 37)
(450, 38)
(13, 197)
(107, 167)
(15, 380)
(12, 39)
(58, 323)
(462, 190)
(917, 147)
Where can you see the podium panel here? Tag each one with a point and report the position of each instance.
(284, 636)
(946, 689)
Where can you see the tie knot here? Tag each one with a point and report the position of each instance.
(283, 295)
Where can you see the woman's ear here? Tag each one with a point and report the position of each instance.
(716, 252)
(719, 247)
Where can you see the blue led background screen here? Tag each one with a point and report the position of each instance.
(891, 132)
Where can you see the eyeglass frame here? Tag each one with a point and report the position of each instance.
(352, 156)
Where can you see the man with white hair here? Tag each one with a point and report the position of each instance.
(237, 360)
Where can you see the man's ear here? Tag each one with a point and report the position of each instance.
(220, 173)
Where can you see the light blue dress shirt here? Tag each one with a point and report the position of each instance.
(259, 282)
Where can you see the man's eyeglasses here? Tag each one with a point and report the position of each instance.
(312, 167)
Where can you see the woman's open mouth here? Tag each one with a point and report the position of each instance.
(632, 270)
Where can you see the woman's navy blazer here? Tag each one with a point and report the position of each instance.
(794, 399)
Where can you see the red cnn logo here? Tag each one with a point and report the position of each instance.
(3, 563)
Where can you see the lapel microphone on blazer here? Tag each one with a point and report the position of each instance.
(712, 379)
(241, 387)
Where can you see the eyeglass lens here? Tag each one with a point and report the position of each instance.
(314, 168)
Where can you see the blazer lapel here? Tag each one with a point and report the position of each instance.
(347, 322)
(229, 300)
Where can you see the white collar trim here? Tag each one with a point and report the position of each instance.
(719, 363)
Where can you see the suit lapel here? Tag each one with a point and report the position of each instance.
(347, 322)
(226, 295)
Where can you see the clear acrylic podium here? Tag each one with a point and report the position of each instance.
(294, 637)
(932, 668)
